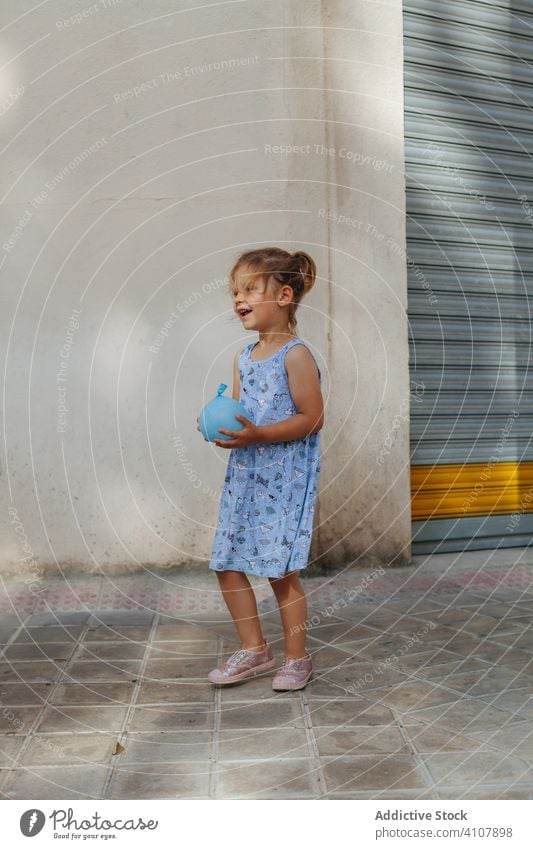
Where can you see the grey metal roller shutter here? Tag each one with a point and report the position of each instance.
(469, 181)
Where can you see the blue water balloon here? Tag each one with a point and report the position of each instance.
(221, 412)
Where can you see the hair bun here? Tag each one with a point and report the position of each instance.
(306, 268)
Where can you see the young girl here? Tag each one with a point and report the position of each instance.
(268, 500)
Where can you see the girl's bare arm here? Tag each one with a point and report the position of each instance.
(304, 385)
(236, 378)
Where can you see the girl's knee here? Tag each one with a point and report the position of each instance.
(279, 582)
(287, 583)
(232, 576)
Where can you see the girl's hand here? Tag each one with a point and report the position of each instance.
(249, 435)
(198, 426)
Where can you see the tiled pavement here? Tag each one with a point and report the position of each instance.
(423, 688)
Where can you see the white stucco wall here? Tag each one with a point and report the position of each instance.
(364, 511)
(123, 211)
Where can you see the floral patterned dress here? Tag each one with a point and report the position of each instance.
(268, 499)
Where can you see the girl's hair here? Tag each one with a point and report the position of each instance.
(297, 270)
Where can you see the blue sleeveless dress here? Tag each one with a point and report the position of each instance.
(268, 499)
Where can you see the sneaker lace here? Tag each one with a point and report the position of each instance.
(240, 654)
(236, 657)
(290, 666)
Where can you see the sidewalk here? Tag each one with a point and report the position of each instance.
(423, 688)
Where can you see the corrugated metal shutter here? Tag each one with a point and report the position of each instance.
(469, 181)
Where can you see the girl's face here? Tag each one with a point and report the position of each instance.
(254, 300)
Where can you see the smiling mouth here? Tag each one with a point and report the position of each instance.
(244, 311)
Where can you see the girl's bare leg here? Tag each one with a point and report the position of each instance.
(241, 603)
(290, 596)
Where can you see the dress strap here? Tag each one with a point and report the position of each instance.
(291, 344)
(247, 350)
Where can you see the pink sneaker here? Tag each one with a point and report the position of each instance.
(293, 674)
(243, 663)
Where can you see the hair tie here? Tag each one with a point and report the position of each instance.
(303, 275)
